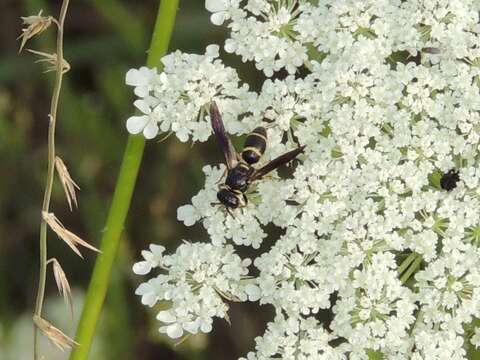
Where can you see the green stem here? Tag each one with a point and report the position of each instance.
(472, 352)
(413, 267)
(121, 198)
(406, 263)
(374, 355)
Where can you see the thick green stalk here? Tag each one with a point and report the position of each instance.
(121, 198)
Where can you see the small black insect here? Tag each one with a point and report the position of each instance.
(240, 172)
(449, 180)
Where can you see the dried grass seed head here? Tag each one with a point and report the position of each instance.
(62, 283)
(70, 238)
(56, 336)
(36, 24)
(51, 60)
(68, 184)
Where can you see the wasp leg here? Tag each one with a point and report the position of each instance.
(222, 177)
(245, 201)
(230, 212)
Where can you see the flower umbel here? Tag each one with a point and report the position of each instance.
(385, 98)
(195, 280)
(177, 100)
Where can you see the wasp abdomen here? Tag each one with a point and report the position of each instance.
(255, 145)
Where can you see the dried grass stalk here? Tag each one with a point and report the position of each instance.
(70, 238)
(56, 336)
(68, 184)
(51, 59)
(35, 25)
(62, 283)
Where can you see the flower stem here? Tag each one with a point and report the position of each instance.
(121, 198)
(472, 352)
(50, 173)
(406, 263)
(412, 268)
(374, 355)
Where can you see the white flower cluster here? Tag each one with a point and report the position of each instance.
(376, 311)
(291, 338)
(380, 217)
(194, 280)
(263, 31)
(175, 100)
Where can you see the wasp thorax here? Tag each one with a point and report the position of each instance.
(237, 178)
(255, 145)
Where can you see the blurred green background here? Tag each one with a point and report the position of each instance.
(103, 39)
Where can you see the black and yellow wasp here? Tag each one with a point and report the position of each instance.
(240, 172)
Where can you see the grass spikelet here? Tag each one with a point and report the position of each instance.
(62, 283)
(56, 336)
(36, 24)
(70, 238)
(68, 184)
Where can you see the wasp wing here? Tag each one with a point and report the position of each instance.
(231, 156)
(275, 163)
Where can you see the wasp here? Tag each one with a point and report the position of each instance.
(240, 170)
